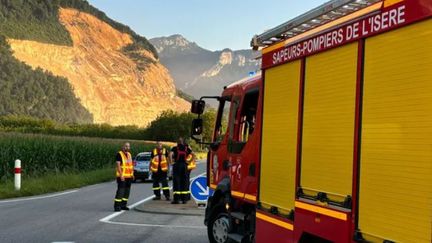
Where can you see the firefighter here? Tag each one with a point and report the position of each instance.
(191, 165)
(124, 174)
(179, 154)
(159, 169)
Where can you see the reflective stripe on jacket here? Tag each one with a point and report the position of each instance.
(126, 165)
(191, 164)
(155, 161)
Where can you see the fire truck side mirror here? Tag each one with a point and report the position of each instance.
(197, 127)
(198, 107)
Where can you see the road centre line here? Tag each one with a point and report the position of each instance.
(38, 197)
(113, 215)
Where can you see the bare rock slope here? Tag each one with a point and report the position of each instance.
(115, 88)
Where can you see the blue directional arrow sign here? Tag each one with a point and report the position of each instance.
(199, 189)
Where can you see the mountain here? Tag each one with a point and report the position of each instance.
(110, 74)
(198, 71)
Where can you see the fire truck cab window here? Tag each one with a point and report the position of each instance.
(222, 119)
(248, 116)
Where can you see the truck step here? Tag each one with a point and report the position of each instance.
(238, 215)
(235, 237)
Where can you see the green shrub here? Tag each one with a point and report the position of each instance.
(170, 125)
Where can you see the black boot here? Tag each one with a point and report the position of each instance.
(117, 207)
(123, 205)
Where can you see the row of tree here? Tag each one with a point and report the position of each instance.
(168, 126)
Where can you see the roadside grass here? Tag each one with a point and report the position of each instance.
(201, 155)
(55, 182)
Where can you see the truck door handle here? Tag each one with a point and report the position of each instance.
(226, 164)
(252, 169)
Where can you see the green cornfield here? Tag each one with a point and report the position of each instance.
(42, 154)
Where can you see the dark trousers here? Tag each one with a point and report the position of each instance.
(180, 183)
(188, 197)
(123, 191)
(160, 178)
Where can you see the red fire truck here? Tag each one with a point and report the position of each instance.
(332, 141)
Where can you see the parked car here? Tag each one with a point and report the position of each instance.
(142, 167)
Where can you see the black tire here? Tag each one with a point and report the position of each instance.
(221, 220)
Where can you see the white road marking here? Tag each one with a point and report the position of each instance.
(38, 197)
(113, 215)
(107, 218)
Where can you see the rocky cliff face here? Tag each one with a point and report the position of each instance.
(198, 71)
(113, 86)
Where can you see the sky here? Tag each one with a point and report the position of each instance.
(212, 24)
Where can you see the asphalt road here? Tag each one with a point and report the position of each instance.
(86, 215)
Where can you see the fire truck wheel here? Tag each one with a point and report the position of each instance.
(218, 227)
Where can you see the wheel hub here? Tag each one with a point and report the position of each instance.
(220, 229)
